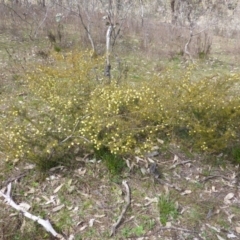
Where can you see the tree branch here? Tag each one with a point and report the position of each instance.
(128, 202)
(45, 223)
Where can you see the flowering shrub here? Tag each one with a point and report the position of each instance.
(67, 108)
(129, 119)
(41, 127)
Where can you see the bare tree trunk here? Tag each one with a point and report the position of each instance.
(108, 65)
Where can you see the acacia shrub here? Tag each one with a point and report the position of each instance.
(67, 109)
(130, 118)
(41, 126)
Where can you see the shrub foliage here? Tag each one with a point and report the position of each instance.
(68, 107)
(41, 127)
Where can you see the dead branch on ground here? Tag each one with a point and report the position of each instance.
(45, 223)
(128, 202)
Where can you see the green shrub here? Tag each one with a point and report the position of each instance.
(43, 127)
(129, 118)
(67, 109)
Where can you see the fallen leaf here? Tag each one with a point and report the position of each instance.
(79, 223)
(166, 189)
(83, 227)
(138, 159)
(151, 160)
(71, 189)
(75, 209)
(143, 170)
(237, 229)
(29, 166)
(168, 224)
(58, 188)
(213, 228)
(137, 204)
(230, 218)
(231, 235)
(214, 189)
(150, 201)
(91, 221)
(220, 238)
(160, 141)
(99, 216)
(228, 197)
(128, 164)
(58, 208)
(16, 160)
(70, 208)
(71, 237)
(81, 171)
(30, 191)
(51, 200)
(186, 192)
(51, 178)
(56, 168)
(152, 154)
(189, 165)
(69, 182)
(175, 159)
(94, 160)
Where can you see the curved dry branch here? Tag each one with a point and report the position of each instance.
(128, 202)
(45, 223)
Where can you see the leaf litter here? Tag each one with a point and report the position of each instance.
(209, 200)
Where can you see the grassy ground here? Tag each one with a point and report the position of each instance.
(197, 197)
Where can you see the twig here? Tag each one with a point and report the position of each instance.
(87, 29)
(7, 5)
(186, 51)
(214, 176)
(41, 23)
(128, 202)
(120, 26)
(71, 135)
(45, 223)
(21, 175)
(180, 163)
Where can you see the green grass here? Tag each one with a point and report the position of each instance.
(167, 209)
(114, 163)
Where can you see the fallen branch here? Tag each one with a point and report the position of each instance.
(128, 202)
(45, 223)
(179, 163)
(214, 176)
(21, 175)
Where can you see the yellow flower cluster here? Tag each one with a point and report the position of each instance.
(68, 107)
